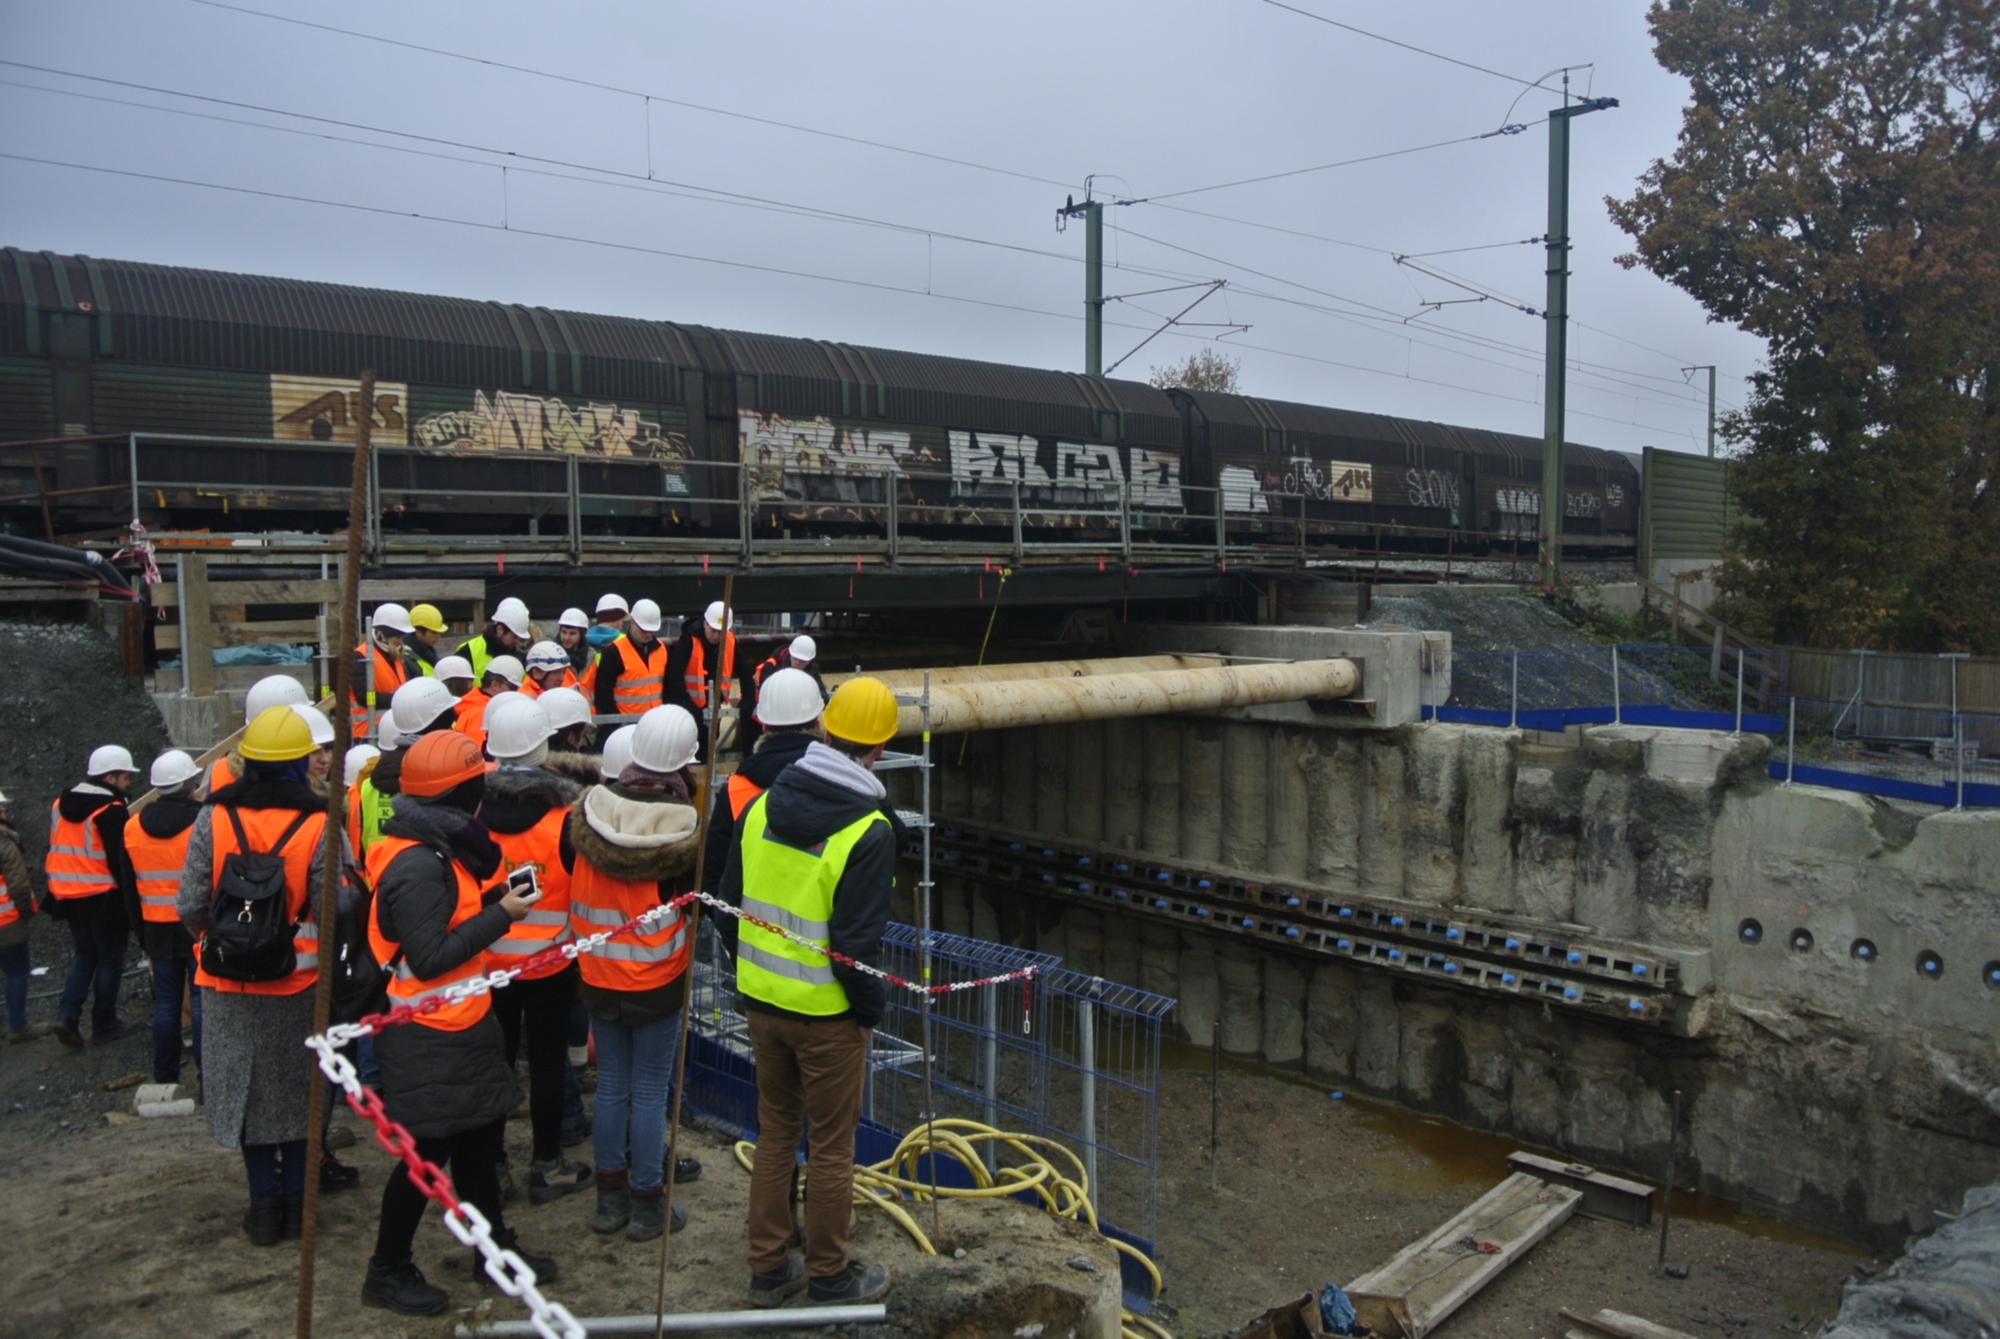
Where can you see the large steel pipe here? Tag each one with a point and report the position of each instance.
(1007, 703)
(913, 680)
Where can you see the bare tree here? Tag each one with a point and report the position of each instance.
(1204, 370)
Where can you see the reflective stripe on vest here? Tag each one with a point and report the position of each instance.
(631, 961)
(156, 865)
(791, 887)
(386, 677)
(642, 680)
(77, 865)
(263, 827)
(547, 924)
(404, 986)
(375, 810)
(696, 678)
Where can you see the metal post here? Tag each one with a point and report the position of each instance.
(1617, 699)
(1093, 288)
(1514, 696)
(1086, 1019)
(181, 610)
(1017, 519)
(1711, 411)
(1125, 521)
(1221, 527)
(1739, 692)
(1791, 736)
(990, 1067)
(745, 522)
(1667, 1186)
(575, 517)
(132, 449)
(889, 482)
(1957, 733)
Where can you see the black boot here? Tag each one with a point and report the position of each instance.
(264, 1222)
(544, 1267)
(402, 1288)
(337, 1175)
(292, 1225)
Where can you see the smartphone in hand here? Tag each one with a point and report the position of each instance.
(523, 883)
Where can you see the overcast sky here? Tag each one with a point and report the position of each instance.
(943, 257)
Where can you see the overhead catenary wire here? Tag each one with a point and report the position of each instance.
(1409, 46)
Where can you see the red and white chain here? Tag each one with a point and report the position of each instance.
(507, 1269)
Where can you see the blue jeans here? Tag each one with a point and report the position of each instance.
(14, 965)
(170, 975)
(100, 933)
(634, 1067)
(276, 1171)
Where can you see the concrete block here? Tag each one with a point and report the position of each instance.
(1200, 993)
(1161, 816)
(1084, 785)
(1434, 776)
(1378, 1036)
(1084, 946)
(1288, 811)
(1385, 812)
(1331, 1022)
(1241, 1012)
(1486, 862)
(1333, 773)
(1201, 791)
(1284, 1012)
(1051, 779)
(1607, 871)
(1245, 798)
(1017, 779)
(1124, 783)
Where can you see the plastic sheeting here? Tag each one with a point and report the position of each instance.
(1947, 1287)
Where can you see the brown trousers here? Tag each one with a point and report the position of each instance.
(809, 1074)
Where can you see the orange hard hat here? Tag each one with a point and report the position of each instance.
(440, 760)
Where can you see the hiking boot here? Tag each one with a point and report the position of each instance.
(544, 1267)
(264, 1222)
(292, 1225)
(339, 1137)
(337, 1175)
(649, 1214)
(771, 1290)
(66, 1033)
(855, 1285)
(403, 1289)
(614, 1203)
(32, 1032)
(555, 1178)
(118, 1031)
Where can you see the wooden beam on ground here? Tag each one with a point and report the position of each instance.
(1618, 1325)
(1604, 1195)
(1429, 1279)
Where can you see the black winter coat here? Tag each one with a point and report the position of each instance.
(441, 1083)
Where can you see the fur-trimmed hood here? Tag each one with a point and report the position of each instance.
(517, 798)
(585, 769)
(635, 835)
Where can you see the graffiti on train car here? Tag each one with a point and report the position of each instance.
(326, 409)
(509, 421)
(1334, 481)
(1435, 490)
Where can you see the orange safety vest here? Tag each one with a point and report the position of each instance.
(156, 864)
(77, 865)
(405, 987)
(631, 961)
(9, 913)
(547, 922)
(696, 679)
(742, 790)
(388, 675)
(586, 682)
(219, 774)
(642, 682)
(471, 720)
(529, 688)
(263, 827)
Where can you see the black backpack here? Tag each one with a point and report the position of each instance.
(360, 984)
(250, 923)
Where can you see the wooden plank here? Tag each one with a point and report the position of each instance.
(1431, 1278)
(314, 591)
(419, 592)
(301, 631)
(1604, 1195)
(1618, 1325)
(192, 569)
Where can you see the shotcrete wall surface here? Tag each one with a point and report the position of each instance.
(1853, 1090)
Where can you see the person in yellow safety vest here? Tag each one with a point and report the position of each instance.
(379, 669)
(632, 669)
(421, 707)
(157, 842)
(17, 914)
(507, 633)
(503, 675)
(90, 885)
(257, 1013)
(443, 898)
(273, 690)
(548, 667)
(815, 854)
(421, 650)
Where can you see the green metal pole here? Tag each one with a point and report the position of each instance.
(1711, 411)
(1093, 288)
(1556, 360)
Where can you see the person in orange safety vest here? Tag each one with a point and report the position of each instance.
(157, 842)
(632, 669)
(379, 668)
(89, 880)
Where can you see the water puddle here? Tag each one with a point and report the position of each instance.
(1454, 1155)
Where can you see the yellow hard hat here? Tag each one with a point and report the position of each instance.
(863, 711)
(279, 734)
(427, 617)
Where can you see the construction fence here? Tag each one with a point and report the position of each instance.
(1881, 738)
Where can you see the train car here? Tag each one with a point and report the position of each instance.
(218, 401)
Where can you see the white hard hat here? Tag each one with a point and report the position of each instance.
(418, 703)
(108, 758)
(273, 690)
(508, 668)
(321, 727)
(392, 618)
(617, 752)
(357, 758)
(452, 667)
(612, 603)
(388, 736)
(3, 797)
(788, 698)
(573, 618)
(512, 615)
(646, 615)
(546, 655)
(714, 616)
(565, 707)
(515, 725)
(171, 768)
(804, 649)
(664, 740)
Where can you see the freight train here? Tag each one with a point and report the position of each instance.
(224, 402)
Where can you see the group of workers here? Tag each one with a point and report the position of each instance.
(488, 823)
